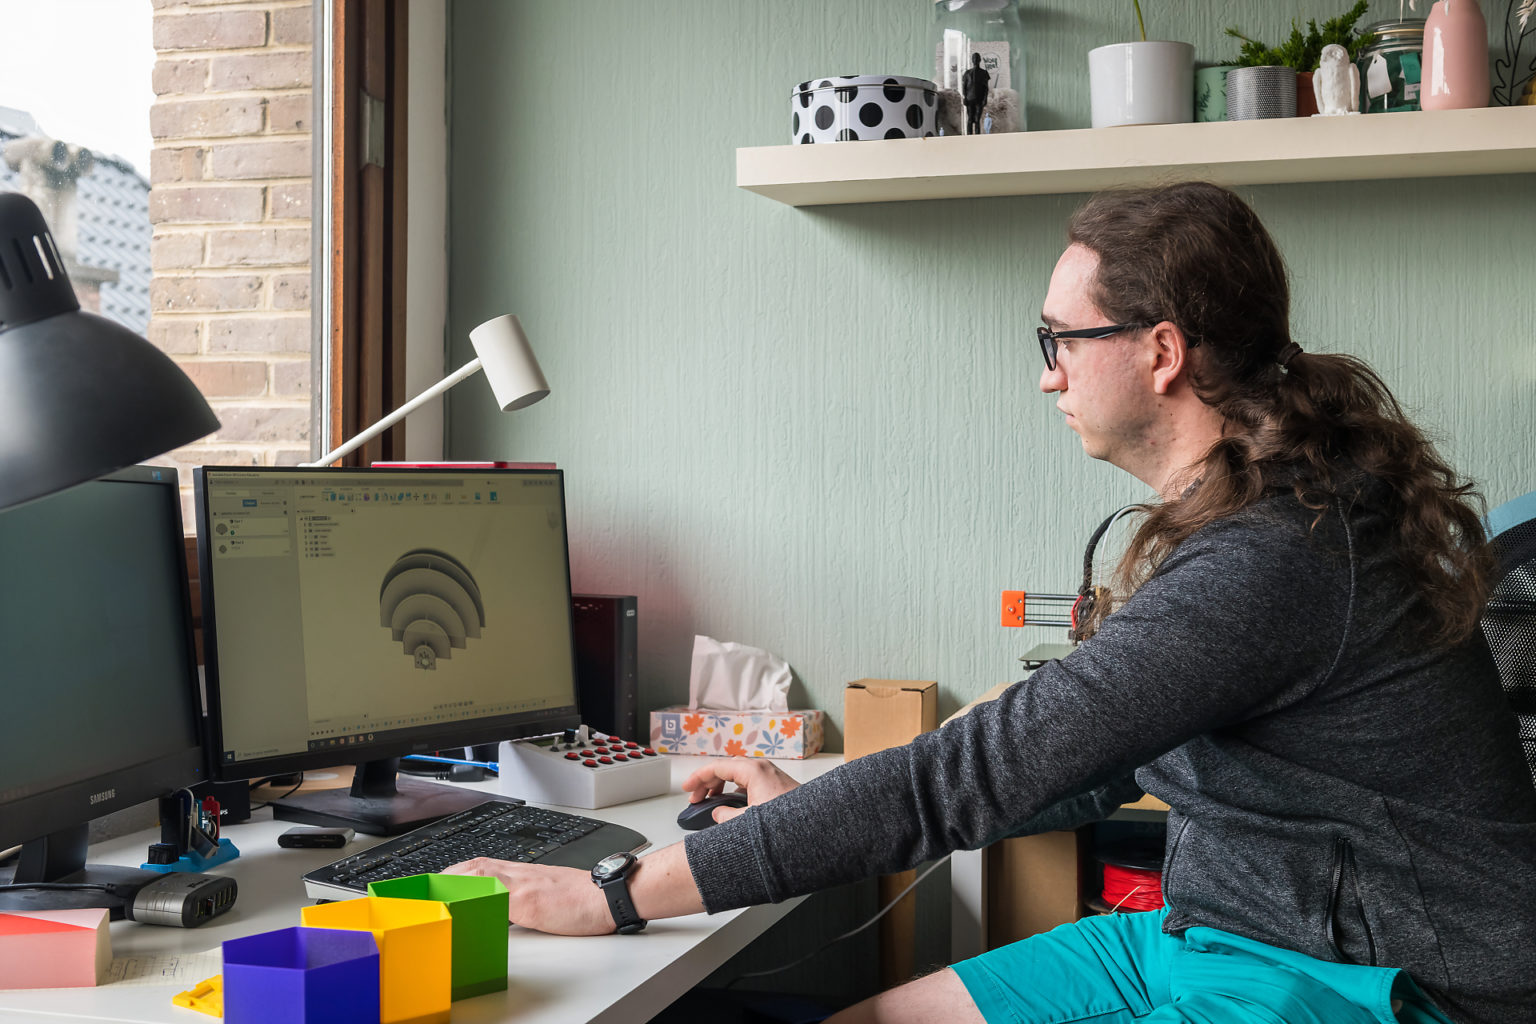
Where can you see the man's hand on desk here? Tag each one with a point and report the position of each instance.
(564, 901)
(762, 780)
(560, 901)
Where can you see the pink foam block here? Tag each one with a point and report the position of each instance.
(54, 948)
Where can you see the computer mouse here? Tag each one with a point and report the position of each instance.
(701, 815)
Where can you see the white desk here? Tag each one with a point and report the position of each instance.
(550, 979)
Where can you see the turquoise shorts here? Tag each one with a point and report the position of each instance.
(1123, 968)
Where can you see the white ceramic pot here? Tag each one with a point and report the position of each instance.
(1142, 83)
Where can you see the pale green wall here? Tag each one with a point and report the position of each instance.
(818, 431)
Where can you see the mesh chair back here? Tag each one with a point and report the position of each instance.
(1509, 623)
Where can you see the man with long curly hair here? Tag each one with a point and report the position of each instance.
(1292, 662)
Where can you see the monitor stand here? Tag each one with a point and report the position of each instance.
(379, 803)
(59, 858)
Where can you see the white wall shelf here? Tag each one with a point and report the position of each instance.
(1423, 144)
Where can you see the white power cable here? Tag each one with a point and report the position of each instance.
(848, 934)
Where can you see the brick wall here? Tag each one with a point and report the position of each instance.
(230, 202)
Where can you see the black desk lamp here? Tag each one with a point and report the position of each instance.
(80, 396)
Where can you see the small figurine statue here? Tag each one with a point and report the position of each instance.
(973, 91)
(1336, 84)
(49, 174)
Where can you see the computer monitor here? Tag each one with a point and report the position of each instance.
(101, 697)
(354, 616)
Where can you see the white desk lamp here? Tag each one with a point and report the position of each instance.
(502, 351)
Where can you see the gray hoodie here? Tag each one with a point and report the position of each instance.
(1337, 788)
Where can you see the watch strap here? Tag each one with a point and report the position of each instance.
(616, 891)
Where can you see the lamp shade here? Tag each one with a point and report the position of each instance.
(509, 363)
(80, 396)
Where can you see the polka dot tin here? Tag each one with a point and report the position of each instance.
(850, 108)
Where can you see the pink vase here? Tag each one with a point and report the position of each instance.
(1455, 56)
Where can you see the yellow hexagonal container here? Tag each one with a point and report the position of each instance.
(415, 939)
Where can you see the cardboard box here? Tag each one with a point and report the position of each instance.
(1032, 886)
(881, 713)
(681, 730)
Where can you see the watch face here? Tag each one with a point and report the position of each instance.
(610, 866)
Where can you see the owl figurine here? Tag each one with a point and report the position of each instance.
(1336, 83)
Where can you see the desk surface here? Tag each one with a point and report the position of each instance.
(550, 979)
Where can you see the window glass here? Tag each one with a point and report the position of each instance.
(169, 148)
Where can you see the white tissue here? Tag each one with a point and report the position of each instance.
(734, 677)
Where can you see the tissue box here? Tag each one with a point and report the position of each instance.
(881, 713)
(680, 730)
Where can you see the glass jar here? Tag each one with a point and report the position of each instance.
(1391, 66)
(978, 55)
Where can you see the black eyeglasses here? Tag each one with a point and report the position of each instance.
(1049, 338)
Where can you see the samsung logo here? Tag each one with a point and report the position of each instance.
(103, 796)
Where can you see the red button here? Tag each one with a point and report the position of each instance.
(605, 760)
(633, 746)
(573, 757)
(590, 763)
(588, 753)
(648, 752)
(602, 750)
(613, 741)
(620, 757)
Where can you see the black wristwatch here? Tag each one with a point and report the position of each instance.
(611, 874)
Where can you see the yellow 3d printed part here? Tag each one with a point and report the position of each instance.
(207, 996)
(415, 940)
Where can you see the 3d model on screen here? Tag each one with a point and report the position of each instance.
(431, 604)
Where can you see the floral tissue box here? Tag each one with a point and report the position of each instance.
(680, 730)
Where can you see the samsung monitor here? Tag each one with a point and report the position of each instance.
(100, 681)
(355, 616)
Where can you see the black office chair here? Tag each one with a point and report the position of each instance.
(1510, 620)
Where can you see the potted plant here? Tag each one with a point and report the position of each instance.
(1143, 82)
(1300, 53)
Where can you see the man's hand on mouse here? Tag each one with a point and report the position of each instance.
(762, 780)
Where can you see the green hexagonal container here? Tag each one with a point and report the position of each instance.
(479, 910)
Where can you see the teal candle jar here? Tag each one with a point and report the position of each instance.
(1211, 94)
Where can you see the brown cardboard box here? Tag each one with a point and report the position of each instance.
(880, 713)
(1032, 886)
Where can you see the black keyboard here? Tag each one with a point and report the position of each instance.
(505, 831)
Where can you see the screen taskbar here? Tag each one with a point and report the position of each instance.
(332, 736)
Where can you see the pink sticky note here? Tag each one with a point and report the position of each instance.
(54, 948)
